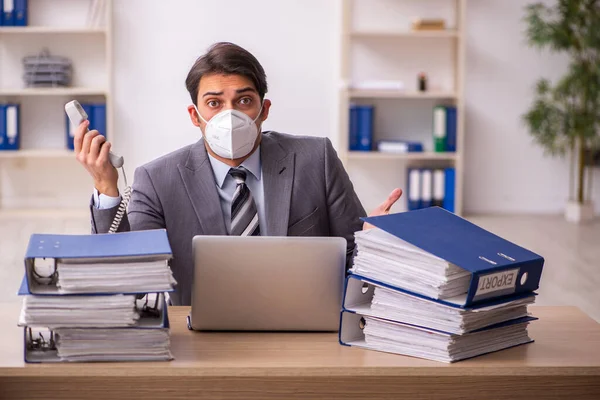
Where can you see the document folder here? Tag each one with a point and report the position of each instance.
(417, 310)
(47, 251)
(418, 341)
(40, 343)
(498, 268)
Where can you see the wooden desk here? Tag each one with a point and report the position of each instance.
(563, 363)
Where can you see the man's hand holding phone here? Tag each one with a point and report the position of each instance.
(91, 150)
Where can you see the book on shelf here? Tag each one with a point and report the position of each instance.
(430, 186)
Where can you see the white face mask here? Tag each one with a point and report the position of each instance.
(231, 133)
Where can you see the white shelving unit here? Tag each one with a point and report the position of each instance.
(378, 44)
(43, 174)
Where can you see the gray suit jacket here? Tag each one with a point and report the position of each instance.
(307, 193)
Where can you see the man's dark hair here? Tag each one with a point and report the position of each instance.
(228, 59)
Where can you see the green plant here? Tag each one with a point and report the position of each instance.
(565, 116)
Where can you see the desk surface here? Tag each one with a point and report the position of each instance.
(563, 360)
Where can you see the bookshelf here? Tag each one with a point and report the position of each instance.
(44, 174)
(377, 43)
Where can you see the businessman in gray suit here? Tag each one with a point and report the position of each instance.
(235, 180)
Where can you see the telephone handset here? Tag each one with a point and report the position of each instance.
(77, 115)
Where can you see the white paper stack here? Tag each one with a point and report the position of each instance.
(74, 344)
(398, 306)
(81, 311)
(75, 276)
(426, 343)
(385, 258)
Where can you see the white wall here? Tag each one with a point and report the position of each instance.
(156, 45)
(505, 172)
(297, 41)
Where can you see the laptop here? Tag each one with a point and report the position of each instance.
(263, 283)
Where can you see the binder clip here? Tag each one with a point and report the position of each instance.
(40, 343)
(149, 310)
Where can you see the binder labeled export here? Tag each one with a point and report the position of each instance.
(456, 262)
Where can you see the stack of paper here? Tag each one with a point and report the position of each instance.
(82, 311)
(97, 297)
(414, 310)
(430, 284)
(75, 276)
(113, 344)
(385, 257)
(441, 346)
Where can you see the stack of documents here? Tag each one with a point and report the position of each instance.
(112, 344)
(81, 311)
(430, 284)
(434, 345)
(382, 256)
(75, 276)
(97, 297)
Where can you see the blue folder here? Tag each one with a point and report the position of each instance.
(451, 127)
(98, 118)
(498, 267)
(10, 126)
(413, 186)
(36, 356)
(449, 188)
(149, 245)
(8, 15)
(21, 12)
(361, 128)
(3, 138)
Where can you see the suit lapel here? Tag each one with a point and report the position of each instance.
(278, 175)
(199, 181)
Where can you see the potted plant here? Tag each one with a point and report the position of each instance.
(565, 115)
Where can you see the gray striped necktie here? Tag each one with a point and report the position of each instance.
(244, 218)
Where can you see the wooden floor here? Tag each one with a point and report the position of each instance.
(571, 273)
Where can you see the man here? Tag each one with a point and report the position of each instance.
(235, 180)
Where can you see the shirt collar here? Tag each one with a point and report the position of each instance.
(221, 170)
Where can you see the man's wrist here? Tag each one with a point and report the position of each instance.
(108, 190)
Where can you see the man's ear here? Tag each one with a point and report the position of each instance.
(265, 110)
(194, 116)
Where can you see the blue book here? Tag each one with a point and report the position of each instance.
(98, 118)
(353, 139)
(1, 12)
(361, 128)
(413, 195)
(426, 187)
(399, 146)
(21, 12)
(47, 252)
(3, 138)
(498, 268)
(70, 130)
(449, 188)
(451, 128)
(10, 126)
(8, 13)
